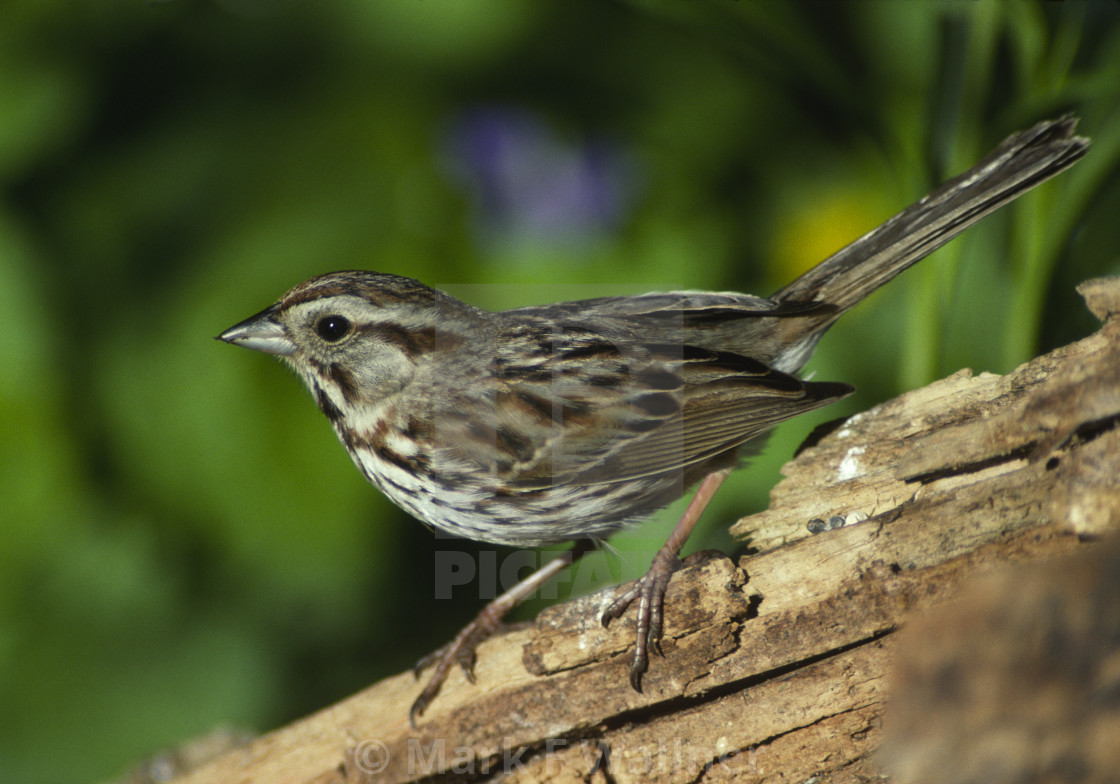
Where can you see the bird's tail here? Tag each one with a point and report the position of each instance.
(1020, 162)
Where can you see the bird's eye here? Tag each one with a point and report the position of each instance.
(332, 328)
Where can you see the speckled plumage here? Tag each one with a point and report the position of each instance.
(537, 425)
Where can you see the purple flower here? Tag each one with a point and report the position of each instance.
(529, 183)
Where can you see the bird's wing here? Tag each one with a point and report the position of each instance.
(580, 405)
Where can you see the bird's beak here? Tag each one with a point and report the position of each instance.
(260, 333)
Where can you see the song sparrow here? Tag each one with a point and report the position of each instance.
(567, 421)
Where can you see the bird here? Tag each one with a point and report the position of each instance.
(566, 422)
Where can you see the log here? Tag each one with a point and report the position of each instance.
(776, 664)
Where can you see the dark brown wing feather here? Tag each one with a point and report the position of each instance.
(588, 412)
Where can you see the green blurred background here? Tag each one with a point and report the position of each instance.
(183, 543)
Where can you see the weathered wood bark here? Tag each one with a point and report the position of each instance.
(775, 665)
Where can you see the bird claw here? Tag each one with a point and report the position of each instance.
(650, 593)
(463, 655)
(459, 651)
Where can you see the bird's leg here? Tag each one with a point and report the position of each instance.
(650, 589)
(461, 650)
